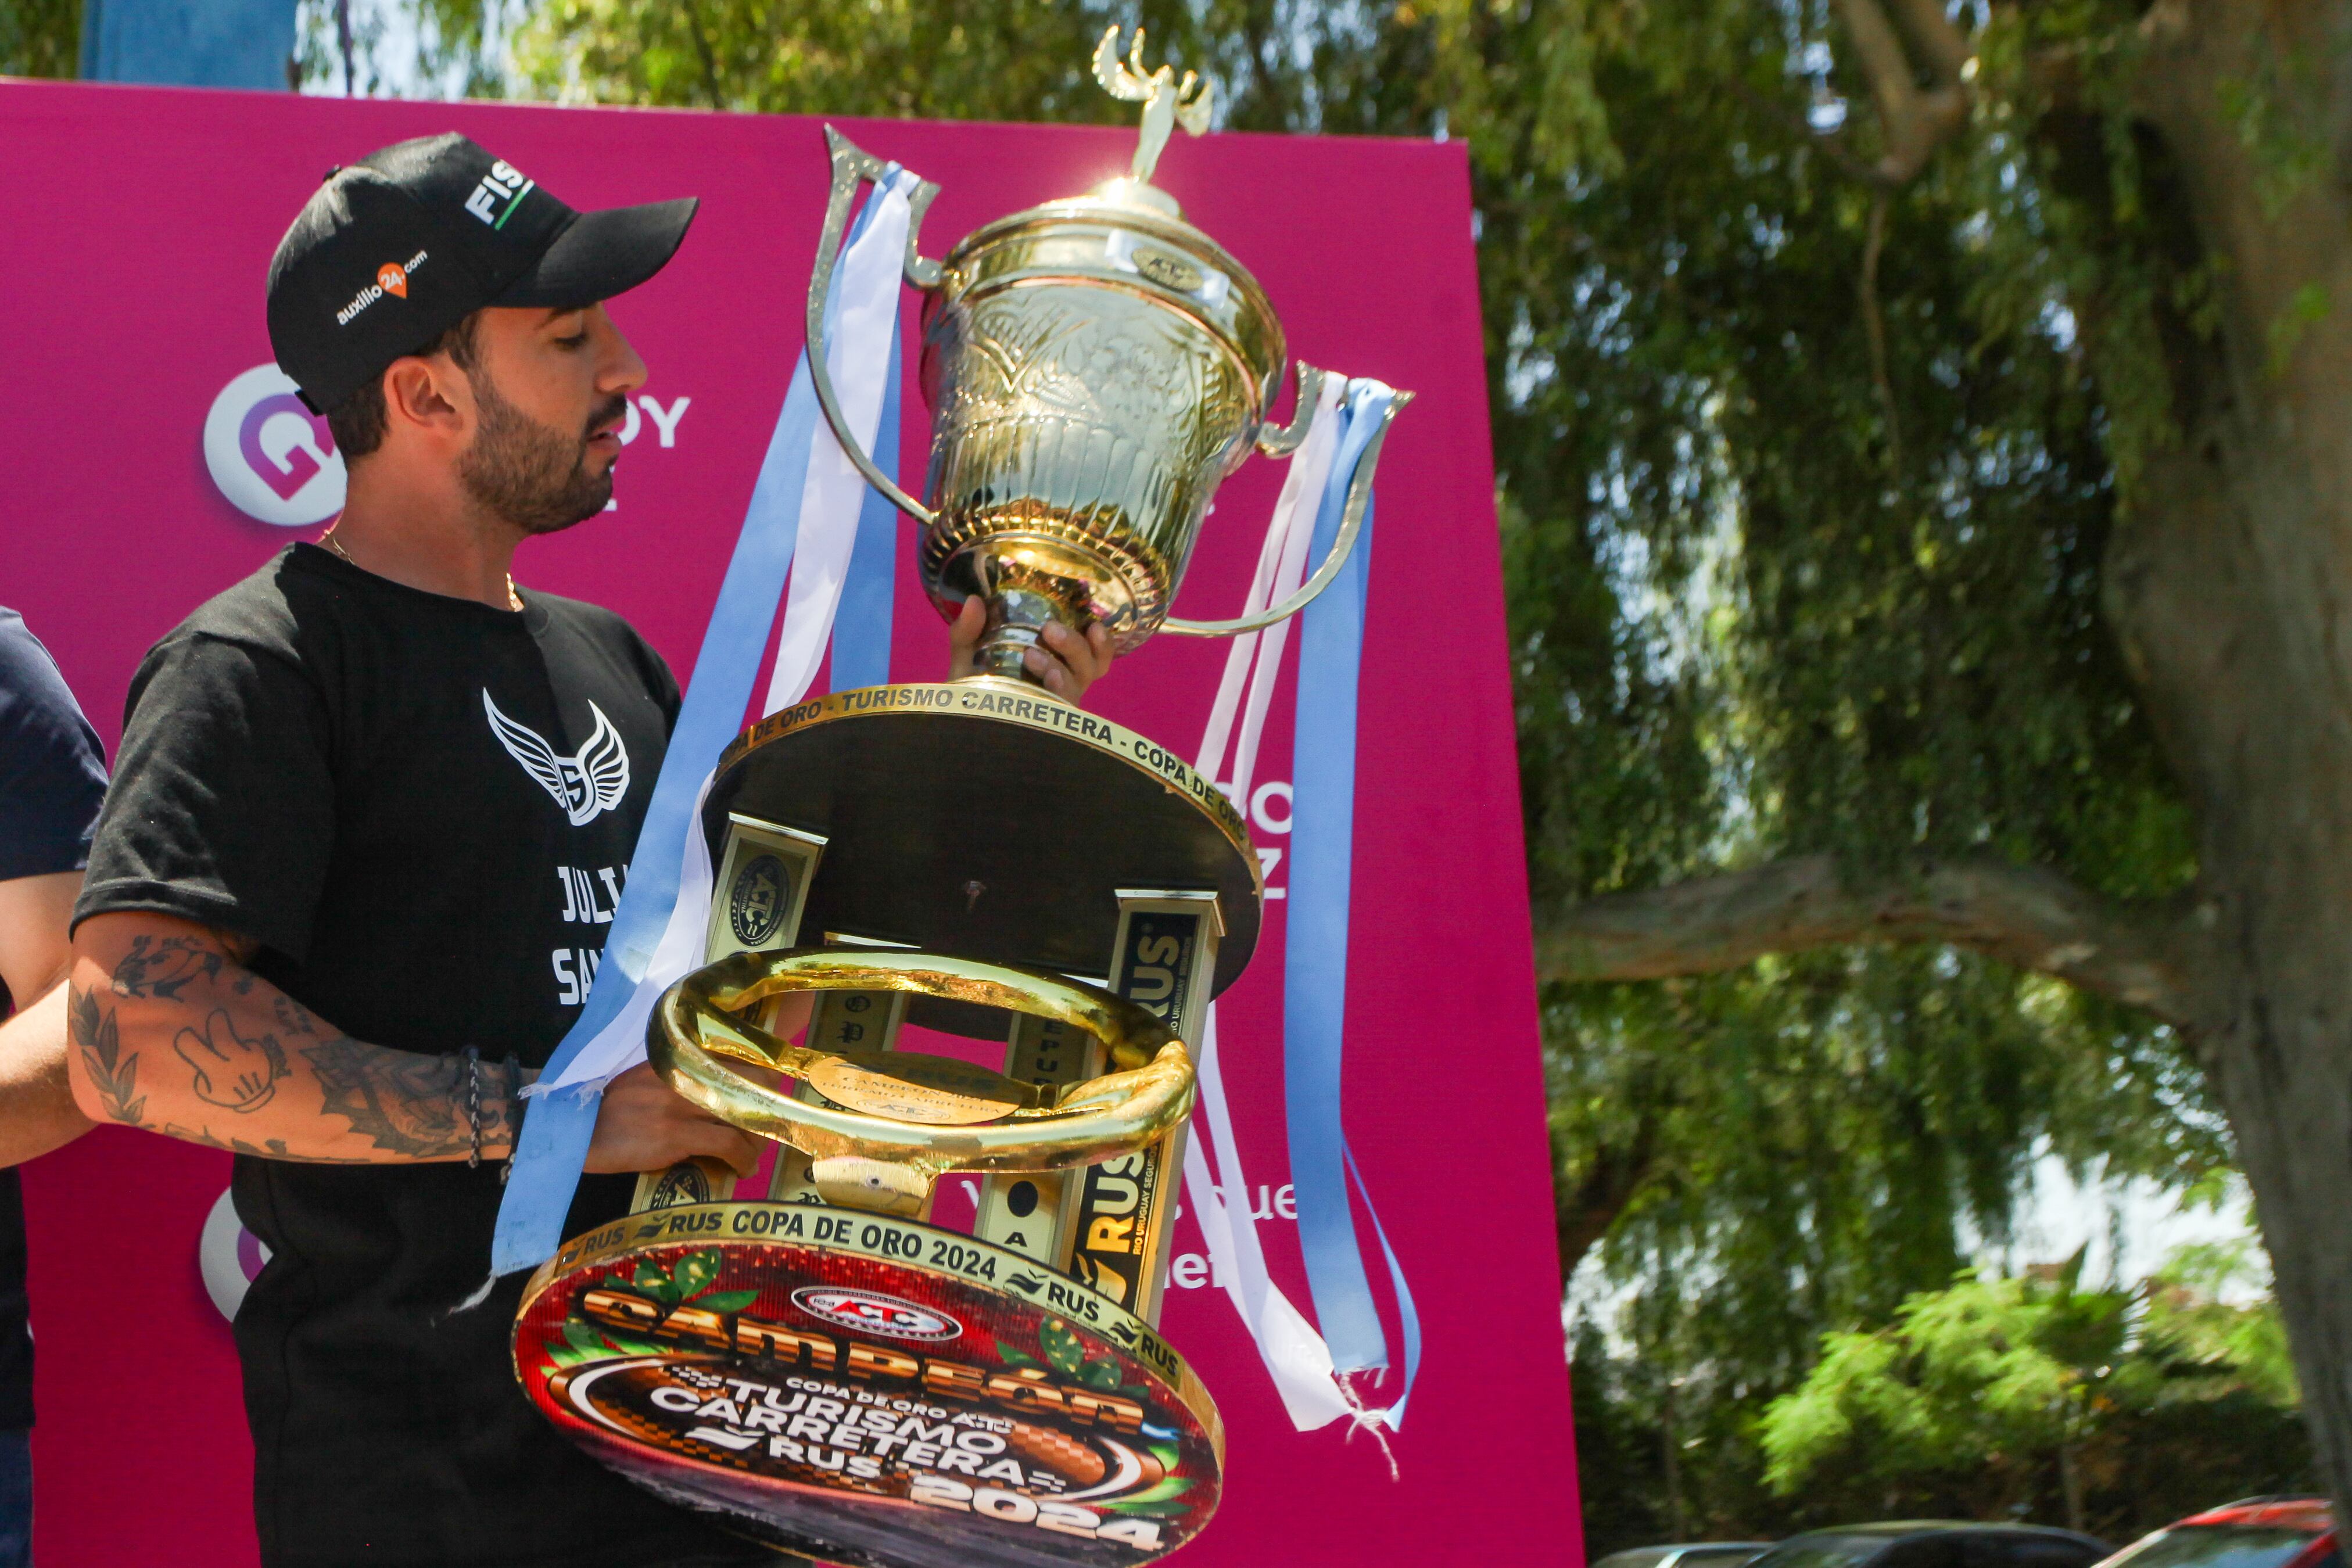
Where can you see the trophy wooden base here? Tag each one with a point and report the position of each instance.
(870, 1391)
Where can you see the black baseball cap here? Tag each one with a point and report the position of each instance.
(396, 250)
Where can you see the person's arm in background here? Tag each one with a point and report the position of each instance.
(52, 780)
(172, 1032)
(38, 1113)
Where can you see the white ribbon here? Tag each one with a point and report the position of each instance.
(1295, 1355)
(835, 490)
(859, 358)
(1281, 564)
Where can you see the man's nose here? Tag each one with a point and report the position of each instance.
(619, 369)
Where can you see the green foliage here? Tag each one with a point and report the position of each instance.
(40, 39)
(459, 46)
(2206, 1344)
(1968, 1376)
(1997, 1387)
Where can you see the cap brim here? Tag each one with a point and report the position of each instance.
(599, 254)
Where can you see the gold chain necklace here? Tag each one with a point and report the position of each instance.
(514, 599)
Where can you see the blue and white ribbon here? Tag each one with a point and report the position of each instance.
(808, 500)
(1315, 987)
(1308, 1368)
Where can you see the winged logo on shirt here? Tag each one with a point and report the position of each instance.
(584, 784)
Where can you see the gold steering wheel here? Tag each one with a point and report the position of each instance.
(890, 1122)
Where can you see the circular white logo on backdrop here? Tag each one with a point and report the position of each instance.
(273, 458)
(229, 1256)
(876, 1312)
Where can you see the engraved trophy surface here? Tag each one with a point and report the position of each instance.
(1096, 367)
(814, 1362)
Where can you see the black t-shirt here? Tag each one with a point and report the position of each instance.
(52, 777)
(421, 809)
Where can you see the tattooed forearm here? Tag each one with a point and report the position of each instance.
(113, 1072)
(232, 1071)
(170, 1029)
(292, 1016)
(409, 1104)
(269, 1149)
(163, 965)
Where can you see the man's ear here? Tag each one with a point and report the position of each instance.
(429, 395)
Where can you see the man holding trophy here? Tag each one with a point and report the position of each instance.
(367, 800)
(346, 783)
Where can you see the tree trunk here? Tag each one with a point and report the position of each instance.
(2229, 584)
(2231, 588)
(2070, 1482)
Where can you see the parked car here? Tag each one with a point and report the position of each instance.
(1936, 1543)
(1687, 1554)
(2258, 1533)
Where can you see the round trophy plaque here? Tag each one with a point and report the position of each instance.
(870, 1390)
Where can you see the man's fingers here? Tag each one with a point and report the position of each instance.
(733, 1145)
(1081, 657)
(963, 632)
(1068, 646)
(1048, 669)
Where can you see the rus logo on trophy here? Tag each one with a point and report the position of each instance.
(817, 1365)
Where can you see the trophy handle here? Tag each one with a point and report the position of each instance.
(852, 166)
(1352, 520)
(1283, 442)
(955, 1116)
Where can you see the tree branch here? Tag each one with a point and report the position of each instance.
(1941, 46)
(1915, 120)
(703, 52)
(1873, 322)
(1829, 144)
(2024, 915)
(1602, 1192)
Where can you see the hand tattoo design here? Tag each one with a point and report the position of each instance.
(162, 967)
(115, 1076)
(406, 1103)
(232, 1071)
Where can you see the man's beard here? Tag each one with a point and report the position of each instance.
(529, 473)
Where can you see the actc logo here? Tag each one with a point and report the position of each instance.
(273, 458)
(876, 1312)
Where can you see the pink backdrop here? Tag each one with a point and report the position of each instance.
(141, 222)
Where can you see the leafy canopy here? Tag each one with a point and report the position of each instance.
(1989, 1373)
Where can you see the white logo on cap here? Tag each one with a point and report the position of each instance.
(504, 182)
(391, 277)
(271, 457)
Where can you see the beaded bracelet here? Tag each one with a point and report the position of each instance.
(474, 1105)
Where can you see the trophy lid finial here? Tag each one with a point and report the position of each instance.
(1167, 102)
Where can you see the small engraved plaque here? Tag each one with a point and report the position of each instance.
(937, 1091)
(1168, 271)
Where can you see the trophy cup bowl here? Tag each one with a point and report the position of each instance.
(1096, 368)
(822, 1368)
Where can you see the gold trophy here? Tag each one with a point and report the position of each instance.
(815, 1362)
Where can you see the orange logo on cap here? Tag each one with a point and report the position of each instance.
(392, 279)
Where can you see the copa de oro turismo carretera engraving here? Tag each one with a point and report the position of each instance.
(876, 1367)
(1003, 701)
